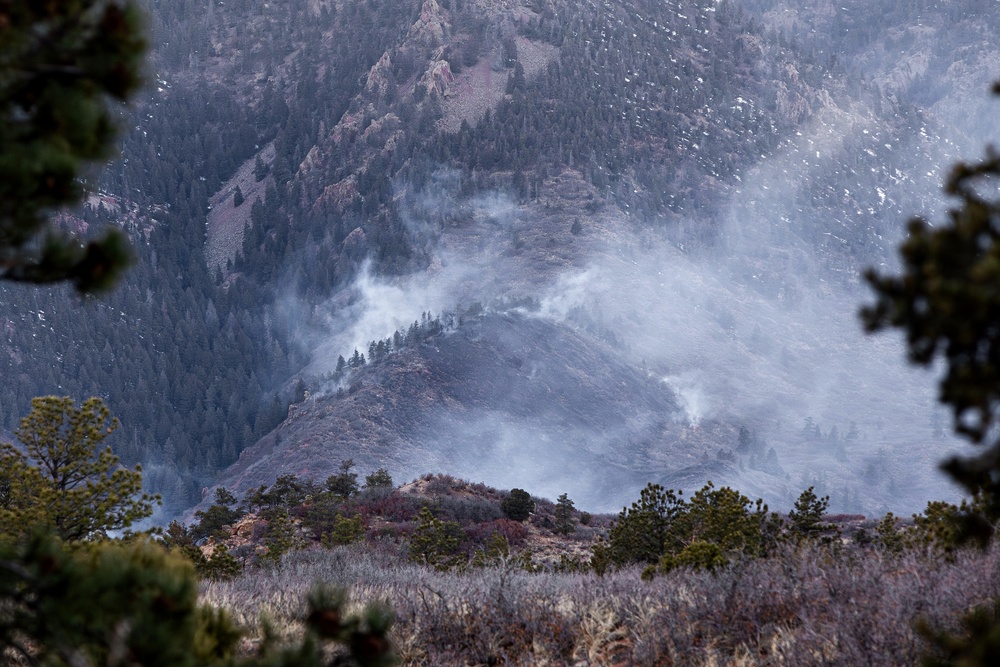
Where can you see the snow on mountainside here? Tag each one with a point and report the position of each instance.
(695, 255)
(643, 224)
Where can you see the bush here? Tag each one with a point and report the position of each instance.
(435, 542)
(344, 531)
(480, 534)
(379, 479)
(90, 606)
(977, 643)
(396, 507)
(466, 510)
(513, 531)
(801, 606)
(698, 555)
(495, 552)
(518, 505)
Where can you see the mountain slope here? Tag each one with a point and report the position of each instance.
(635, 141)
(507, 396)
(684, 192)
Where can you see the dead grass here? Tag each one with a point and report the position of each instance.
(801, 608)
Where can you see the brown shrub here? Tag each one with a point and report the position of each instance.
(809, 606)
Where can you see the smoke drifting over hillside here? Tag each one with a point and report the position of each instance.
(759, 330)
(718, 341)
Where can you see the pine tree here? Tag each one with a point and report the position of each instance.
(345, 531)
(345, 483)
(137, 603)
(60, 479)
(952, 269)
(260, 170)
(643, 533)
(564, 515)
(807, 516)
(64, 69)
(221, 513)
(727, 518)
(518, 505)
(435, 542)
(280, 537)
(380, 479)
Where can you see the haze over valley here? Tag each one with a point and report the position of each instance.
(581, 245)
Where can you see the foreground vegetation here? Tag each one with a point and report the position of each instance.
(478, 576)
(803, 606)
(444, 572)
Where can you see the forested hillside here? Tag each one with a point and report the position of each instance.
(285, 155)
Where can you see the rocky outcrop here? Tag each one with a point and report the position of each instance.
(338, 196)
(379, 77)
(437, 78)
(432, 28)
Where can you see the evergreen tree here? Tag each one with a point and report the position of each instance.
(665, 532)
(260, 170)
(288, 491)
(380, 479)
(947, 302)
(435, 542)
(345, 531)
(58, 478)
(221, 513)
(280, 537)
(518, 505)
(345, 483)
(64, 68)
(564, 515)
(807, 516)
(726, 518)
(137, 604)
(643, 533)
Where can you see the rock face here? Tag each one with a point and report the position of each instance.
(432, 26)
(438, 77)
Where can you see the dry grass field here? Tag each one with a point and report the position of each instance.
(804, 607)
